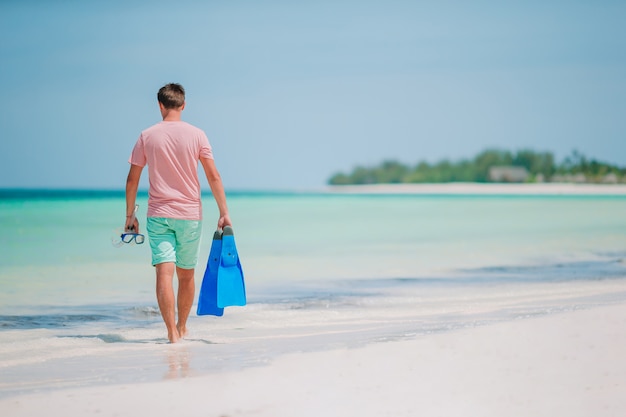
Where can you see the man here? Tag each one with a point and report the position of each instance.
(172, 149)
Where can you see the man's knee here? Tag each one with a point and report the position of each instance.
(185, 274)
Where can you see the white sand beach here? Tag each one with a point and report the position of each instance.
(368, 306)
(483, 189)
(566, 364)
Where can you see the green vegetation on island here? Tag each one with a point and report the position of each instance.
(492, 165)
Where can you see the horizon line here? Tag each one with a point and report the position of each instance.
(416, 189)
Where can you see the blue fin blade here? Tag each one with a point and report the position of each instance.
(231, 289)
(207, 301)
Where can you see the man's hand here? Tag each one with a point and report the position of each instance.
(132, 225)
(224, 221)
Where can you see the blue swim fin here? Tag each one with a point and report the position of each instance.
(207, 301)
(231, 289)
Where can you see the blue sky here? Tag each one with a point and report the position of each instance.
(291, 92)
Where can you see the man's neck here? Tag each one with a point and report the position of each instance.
(172, 116)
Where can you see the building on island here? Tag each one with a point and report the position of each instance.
(508, 174)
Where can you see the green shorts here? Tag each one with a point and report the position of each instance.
(174, 240)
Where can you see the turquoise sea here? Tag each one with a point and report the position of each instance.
(322, 270)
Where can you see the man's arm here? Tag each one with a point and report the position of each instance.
(132, 184)
(217, 188)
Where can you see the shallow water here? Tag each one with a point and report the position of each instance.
(322, 271)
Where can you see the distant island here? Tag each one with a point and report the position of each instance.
(492, 165)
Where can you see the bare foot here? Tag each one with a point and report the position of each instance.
(182, 331)
(173, 336)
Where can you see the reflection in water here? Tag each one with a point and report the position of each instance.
(178, 362)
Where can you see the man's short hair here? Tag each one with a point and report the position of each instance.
(171, 96)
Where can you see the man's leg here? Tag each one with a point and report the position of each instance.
(188, 234)
(165, 297)
(186, 293)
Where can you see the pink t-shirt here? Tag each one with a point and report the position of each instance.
(172, 151)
